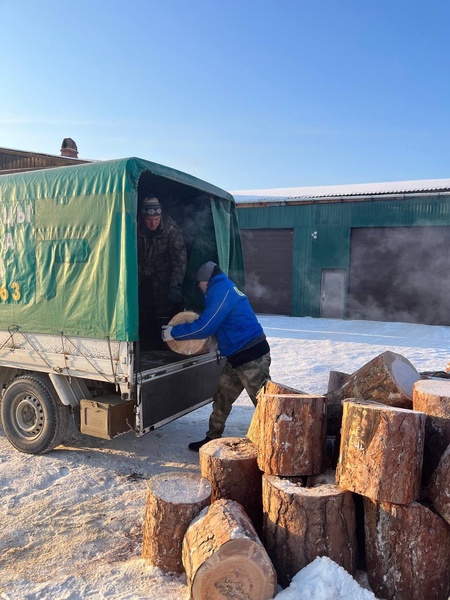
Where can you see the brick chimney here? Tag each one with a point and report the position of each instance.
(69, 148)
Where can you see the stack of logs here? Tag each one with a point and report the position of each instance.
(360, 475)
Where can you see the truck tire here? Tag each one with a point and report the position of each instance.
(33, 417)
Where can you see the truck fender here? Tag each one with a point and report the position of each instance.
(70, 390)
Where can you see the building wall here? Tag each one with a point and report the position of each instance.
(17, 160)
(322, 234)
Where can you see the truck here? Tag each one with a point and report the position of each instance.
(69, 309)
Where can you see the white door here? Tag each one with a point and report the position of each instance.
(332, 294)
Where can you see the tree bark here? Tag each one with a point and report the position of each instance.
(173, 500)
(407, 552)
(302, 523)
(336, 380)
(381, 451)
(231, 466)
(224, 558)
(269, 387)
(432, 396)
(439, 486)
(387, 378)
(289, 433)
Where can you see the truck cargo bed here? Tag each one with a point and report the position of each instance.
(152, 359)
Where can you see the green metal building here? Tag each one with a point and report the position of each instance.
(374, 251)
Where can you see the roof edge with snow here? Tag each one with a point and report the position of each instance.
(350, 192)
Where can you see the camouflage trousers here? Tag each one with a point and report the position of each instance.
(232, 382)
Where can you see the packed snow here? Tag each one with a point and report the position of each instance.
(71, 520)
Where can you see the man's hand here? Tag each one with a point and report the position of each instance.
(175, 295)
(166, 333)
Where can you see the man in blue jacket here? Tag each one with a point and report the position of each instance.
(241, 339)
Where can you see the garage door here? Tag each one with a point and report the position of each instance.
(400, 274)
(268, 257)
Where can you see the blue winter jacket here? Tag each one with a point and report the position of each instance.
(227, 315)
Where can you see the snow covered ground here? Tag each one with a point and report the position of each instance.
(71, 520)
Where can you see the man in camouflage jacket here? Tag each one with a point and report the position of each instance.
(161, 260)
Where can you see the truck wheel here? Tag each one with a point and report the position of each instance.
(33, 417)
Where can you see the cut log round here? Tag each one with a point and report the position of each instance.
(387, 378)
(269, 387)
(381, 451)
(432, 396)
(230, 465)
(224, 558)
(291, 434)
(188, 347)
(173, 500)
(407, 551)
(303, 523)
(439, 486)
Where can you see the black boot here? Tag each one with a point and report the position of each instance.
(195, 446)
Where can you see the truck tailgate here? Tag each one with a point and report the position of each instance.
(168, 391)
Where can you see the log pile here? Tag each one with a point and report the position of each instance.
(383, 452)
(276, 504)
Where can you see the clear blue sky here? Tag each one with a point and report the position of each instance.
(243, 93)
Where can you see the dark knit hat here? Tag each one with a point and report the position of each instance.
(151, 207)
(206, 270)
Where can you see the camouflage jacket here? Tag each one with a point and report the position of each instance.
(162, 254)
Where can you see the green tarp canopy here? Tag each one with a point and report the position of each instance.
(68, 251)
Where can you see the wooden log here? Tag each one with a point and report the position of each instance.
(439, 486)
(187, 347)
(269, 387)
(173, 500)
(272, 387)
(336, 380)
(231, 466)
(381, 451)
(302, 523)
(407, 551)
(387, 378)
(432, 396)
(224, 558)
(329, 477)
(291, 434)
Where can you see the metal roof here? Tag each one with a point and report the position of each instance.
(342, 192)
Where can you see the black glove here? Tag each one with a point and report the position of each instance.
(175, 295)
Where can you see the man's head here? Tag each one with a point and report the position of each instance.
(206, 271)
(151, 212)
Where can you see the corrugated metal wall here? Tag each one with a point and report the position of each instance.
(322, 234)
